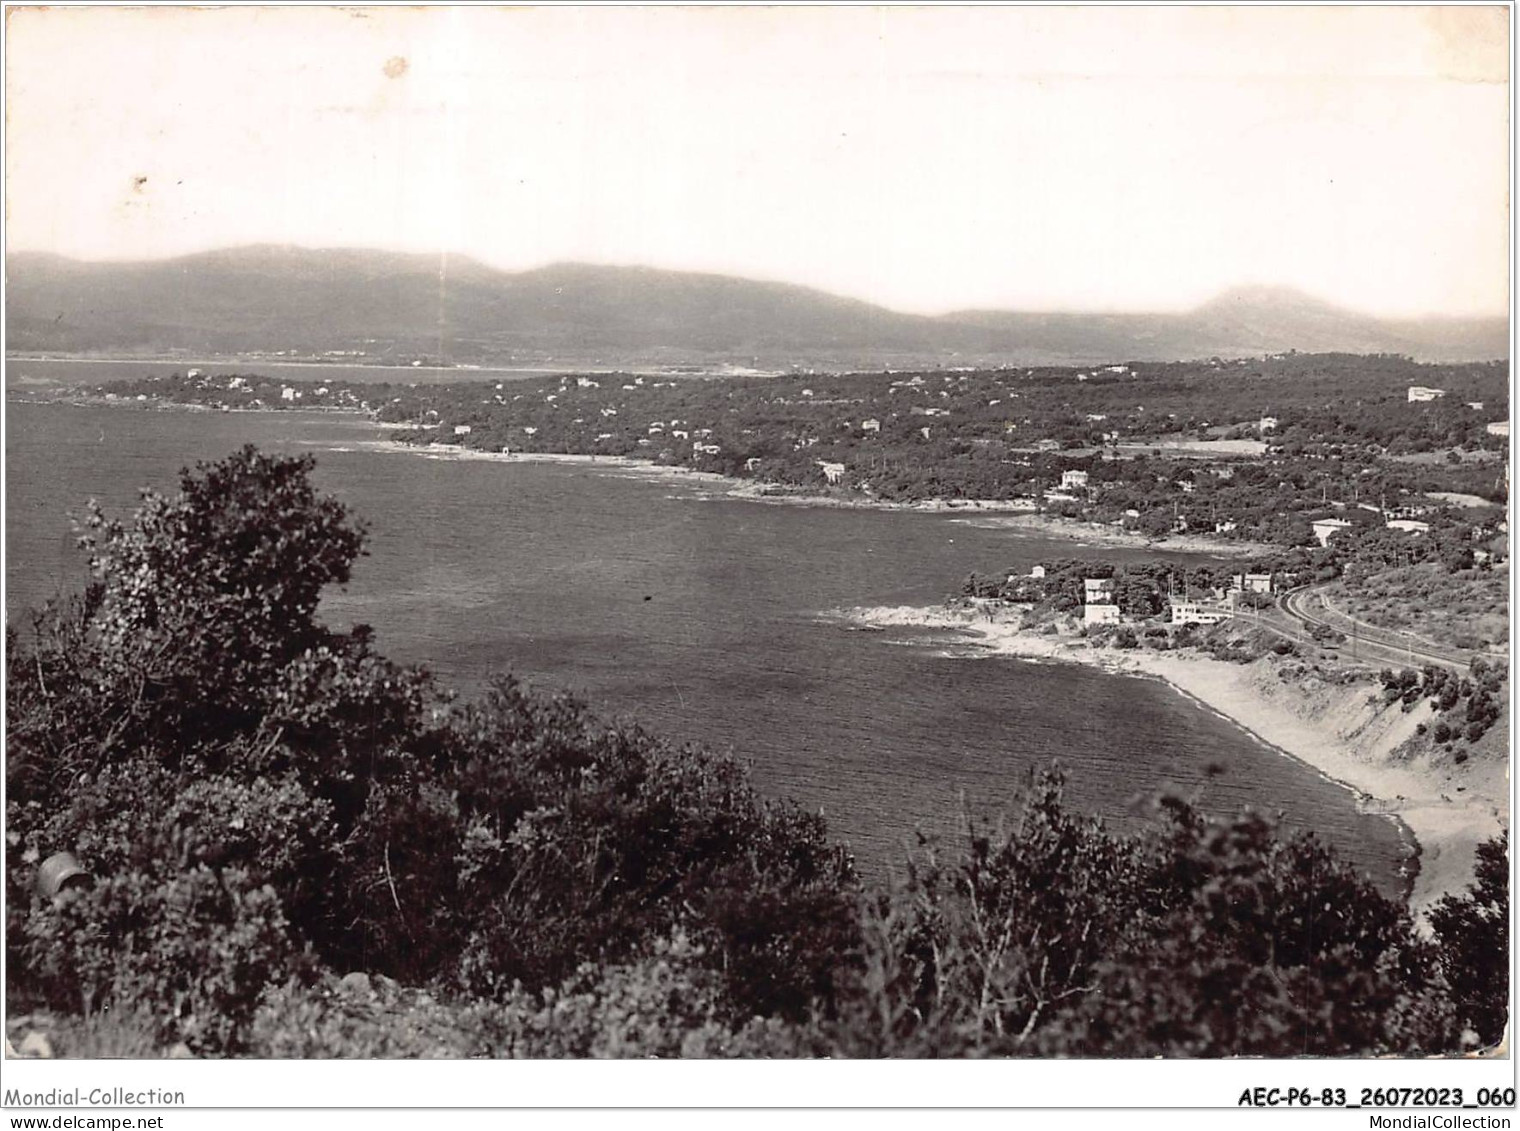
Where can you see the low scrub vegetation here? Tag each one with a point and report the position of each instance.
(298, 848)
(1467, 609)
(1467, 706)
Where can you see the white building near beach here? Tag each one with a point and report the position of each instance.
(1199, 612)
(1098, 605)
(1100, 614)
(1098, 590)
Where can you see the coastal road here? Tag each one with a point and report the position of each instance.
(1368, 643)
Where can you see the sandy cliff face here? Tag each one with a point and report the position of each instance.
(1348, 731)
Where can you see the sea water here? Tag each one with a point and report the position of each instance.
(709, 619)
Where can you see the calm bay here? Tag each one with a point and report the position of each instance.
(707, 618)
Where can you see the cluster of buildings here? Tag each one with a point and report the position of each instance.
(1099, 606)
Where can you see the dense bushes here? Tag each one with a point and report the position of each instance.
(1482, 690)
(1052, 936)
(267, 805)
(259, 797)
(579, 839)
(666, 1002)
(1474, 934)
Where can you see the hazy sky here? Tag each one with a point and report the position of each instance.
(928, 159)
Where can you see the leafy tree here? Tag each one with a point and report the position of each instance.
(973, 956)
(204, 746)
(241, 557)
(1139, 597)
(1473, 930)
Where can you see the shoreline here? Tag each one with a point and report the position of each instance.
(1094, 534)
(1014, 515)
(286, 363)
(1340, 737)
(482, 371)
(460, 454)
(131, 404)
(747, 490)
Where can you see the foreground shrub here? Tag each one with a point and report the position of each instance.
(1473, 930)
(1256, 945)
(1201, 937)
(259, 797)
(971, 957)
(666, 1002)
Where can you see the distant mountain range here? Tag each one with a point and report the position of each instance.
(391, 307)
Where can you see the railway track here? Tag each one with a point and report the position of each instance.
(1307, 607)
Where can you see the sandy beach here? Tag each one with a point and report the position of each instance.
(1343, 731)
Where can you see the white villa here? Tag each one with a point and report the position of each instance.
(1327, 528)
(1098, 601)
(1252, 583)
(1199, 612)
